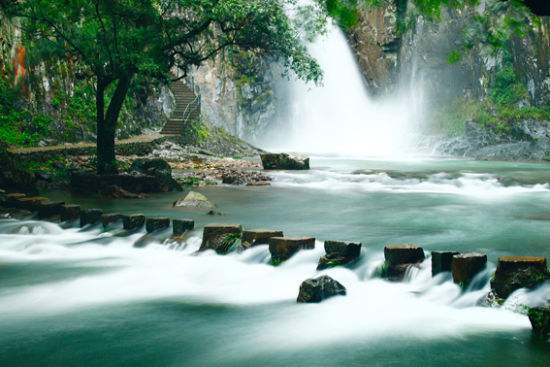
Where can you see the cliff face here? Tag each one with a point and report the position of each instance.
(423, 52)
(376, 43)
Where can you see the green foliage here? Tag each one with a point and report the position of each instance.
(229, 242)
(454, 57)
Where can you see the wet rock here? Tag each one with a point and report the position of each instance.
(257, 237)
(11, 199)
(284, 161)
(540, 321)
(156, 224)
(180, 226)
(194, 200)
(282, 248)
(29, 203)
(158, 168)
(90, 216)
(515, 272)
(249, 178)
(84, 182)
(399, 258)
(70, 212)
(441, 261)
(233, 178)
(466, 266)
(221, 238)
(49, 209)
(339, 253)
(133, 222)
(110, 219)
(319, 289)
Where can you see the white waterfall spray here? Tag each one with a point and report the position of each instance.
(339, 117)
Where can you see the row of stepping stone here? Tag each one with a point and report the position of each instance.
(59, 211)
(512, 273)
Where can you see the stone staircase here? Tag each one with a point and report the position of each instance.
(188, 108)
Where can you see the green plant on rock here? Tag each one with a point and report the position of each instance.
(229, 242)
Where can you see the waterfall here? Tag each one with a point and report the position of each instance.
(338, 116)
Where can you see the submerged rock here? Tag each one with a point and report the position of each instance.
(319, 289)
(339, 253)
(442, 261)
(466, 266)
(515, 272)
(257, 237)
(399, 258)
(284, 161)
(221, 238)
(194, 200)
(540, 321)
(282, 248)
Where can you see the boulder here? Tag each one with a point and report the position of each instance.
(540, 321)
(84, 182)
(133, 222)
(515, 272)
(284, 161)
(399, 258)
(318, 289)
(180, 226)
(194, 200)
(12, 199)
(117, 192)
(90, 216)
(158, 168)
(220, 237)
(282, 248)
(48, 209)
(339, 253)
(70, 212)
(441, 261)
(110, 219)
(466, 266)
(257, 237)
(156, 224)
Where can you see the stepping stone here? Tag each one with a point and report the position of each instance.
(109, 219)
(29, 203)
(466, 266)
(441, 261)
(339, 253)
(399, 258)
(540, 321)
(258, 237)
(283, 248)
(156, 224)
(48, 209)
(133, 222)
(90, 217)
(318, 289)
(221, 238)
(180, 226)
(515, 272)
(70, 212)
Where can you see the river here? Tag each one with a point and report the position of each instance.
(72, 297)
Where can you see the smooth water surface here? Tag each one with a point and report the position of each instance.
(71, 297)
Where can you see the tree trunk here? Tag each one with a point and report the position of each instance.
(107, 123)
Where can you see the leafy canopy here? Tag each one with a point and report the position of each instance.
(150, 37)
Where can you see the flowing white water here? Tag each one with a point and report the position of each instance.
(421, 307)
(339, 117)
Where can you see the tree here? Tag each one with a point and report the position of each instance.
(120, 41)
